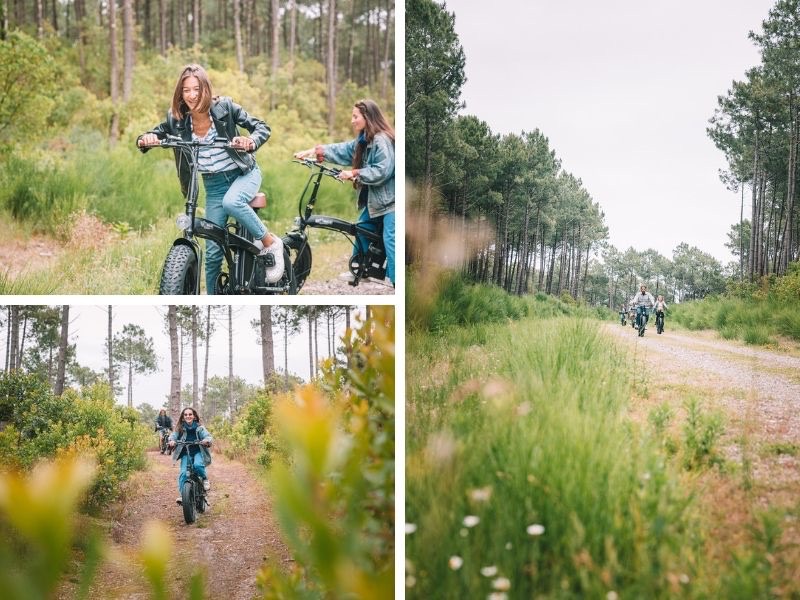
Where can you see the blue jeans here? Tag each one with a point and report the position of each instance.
(199, 468)
(384, 223)
(228, 194)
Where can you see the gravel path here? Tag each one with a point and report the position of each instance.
(229, 542)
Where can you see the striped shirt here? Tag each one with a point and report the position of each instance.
(213, 160)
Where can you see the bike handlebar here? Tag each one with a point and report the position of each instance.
(173, 141)
(330, 172)
(191, 443)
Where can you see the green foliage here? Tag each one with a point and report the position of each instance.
(701, 432)
(28, 82)
(752, 571)
(43, 426)
(252, 437)
(336, 499)
(526, 435)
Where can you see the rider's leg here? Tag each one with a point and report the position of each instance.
(362, 243)
(216, 186)
(182, 473)
(388, 244)
(235, 204)
(200, 465)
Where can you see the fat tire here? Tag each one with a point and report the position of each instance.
(642, 324)
(187, 500)
(200, 501)
(180, 272)
(301, 265)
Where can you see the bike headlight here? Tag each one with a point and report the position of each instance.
(183, 222)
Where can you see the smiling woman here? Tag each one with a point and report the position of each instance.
(231, 176)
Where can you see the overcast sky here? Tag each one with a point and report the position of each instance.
(623, 89)
(89, 327)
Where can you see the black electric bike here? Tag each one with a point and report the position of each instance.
(193, 496)
(660, 321)
(642, 317)
(246, 267)
(622, 315)
(369, 263)
(163, 438)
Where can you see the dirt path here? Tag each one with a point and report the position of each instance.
(757, 391)
(230, 542)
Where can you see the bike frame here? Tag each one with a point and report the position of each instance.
(298, 238)
(234, 240)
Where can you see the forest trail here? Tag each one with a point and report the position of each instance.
(757, 392)
(229, 542)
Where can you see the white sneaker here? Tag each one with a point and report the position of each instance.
(275, 273)
(206, 484)
(179, 501)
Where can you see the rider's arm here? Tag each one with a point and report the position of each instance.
(340, 154)
(381, 166)
(203, 435)
(162, 130)
(259, 130)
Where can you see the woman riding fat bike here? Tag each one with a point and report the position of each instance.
(644, 302)
(230, 174)
(163, 428)
(659, 308)
(190, 430)
(371, 155)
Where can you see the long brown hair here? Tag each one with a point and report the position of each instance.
(376, 123)
(179, 108)
(179, 427)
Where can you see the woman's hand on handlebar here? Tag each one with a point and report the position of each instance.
(148, 139)
(346, 175)
(205, 443)
(303, 154)
(171, 443)
(243, 143)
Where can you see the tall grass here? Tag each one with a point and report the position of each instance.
(572, 500)
(47, 188)
(757, 321)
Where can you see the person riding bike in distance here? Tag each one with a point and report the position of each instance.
(371, 155)
(644, 302)
(231, 176)
(163, 421)
(658, 308)
(189, 429)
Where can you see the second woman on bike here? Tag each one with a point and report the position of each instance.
(231, 176)
(189, 429)
(371, 155)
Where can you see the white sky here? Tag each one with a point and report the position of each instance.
(89, 327)
(623, 89)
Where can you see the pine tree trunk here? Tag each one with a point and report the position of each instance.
(275, 50)
(110, 346)
(205, 366)
(128, 50)
(62, 351)
(267, 347)
(330, 66)
(237, 33)
(114, 71)
(386, 48)
(195, 326)
(230, 360)
(175, 367)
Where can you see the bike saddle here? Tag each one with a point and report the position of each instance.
(258, 201)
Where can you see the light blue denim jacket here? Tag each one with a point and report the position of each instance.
(377, 172)
(202, 434)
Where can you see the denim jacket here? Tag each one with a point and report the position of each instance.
(202, 434)
(227, 116)
(377, 171)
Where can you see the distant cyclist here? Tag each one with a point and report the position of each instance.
(644, 302)
(163, 422)
(659, 308)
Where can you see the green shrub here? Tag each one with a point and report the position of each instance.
(701, 432)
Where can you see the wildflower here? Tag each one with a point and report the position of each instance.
(480, 494)
(463, 532)
(684, 578)
(455, 562)
(489, 571)
(502, 583)
(471, 521)
(410, 528)
(411, 581)
(497, 596)
(508, 546)
(535, 529)
(612, 595)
